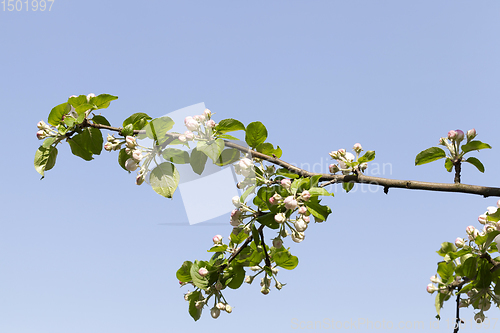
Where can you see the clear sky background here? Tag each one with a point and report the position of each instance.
(86, 250)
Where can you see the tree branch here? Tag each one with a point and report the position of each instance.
(360, 179)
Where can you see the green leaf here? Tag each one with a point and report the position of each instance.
(475, 162)
(247, 193)
(227, 137)
(495, 217)
(285, 260)
(256, 133)
(319, 211)
(102, 101)
(347, 186)
(218, 248)
(315, 191)
(212, 149)
(45, 158)
(198, 161)
(68, 121)
(367, 157)
(176, 155)
(56, 114)
(122, 158)
(474, 145)
(314, 181)
(158, 128)
(484, 275)
(268, 221)
(87, 143)
(446, 247)
(300, 184)
(198, 280)
(228, 156)
(100, 120)
(239, 237)
(184, 273)
(469, 267)
(445, 270)
(164, 179)
(78, 100)
(267, 148)
(194, 297)
(285, 173)
(429, 155)
(255, 235)
(448, 164)
(138, 120)
(83, 107)
(229, 125)
(234, 276)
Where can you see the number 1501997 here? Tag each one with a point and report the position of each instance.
(27, 5)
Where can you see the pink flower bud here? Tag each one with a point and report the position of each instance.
(199, 118)
(471, 134)
(452, 135)
(286, 183)
(431, 288)
(130, 142)
(41, 135)
(217, 239)
(491, 210)
(189, 135)
(290, 202)
(236, 201)
(210, 123)
(334, 168)
(349, 157)
(272, 201)
(459, 242)
(334, 155)
(235, 218)
(357, 148)
(130, 164)
(306, 218)
(221, 306)
(245, 163)
(363, 166)
(139, 180)
(300, 225)
(305, 195)
(470, 230)
(182, 138)
(460, 135)
(108, 146)
(341, 152)
(203, 272)
(442, 141)
(482, 218)
(207, 113)
(280, 218)
(41, 125)
(302, 210)
(137, 155)
(277, 243)
(435, 279)
(191, 123)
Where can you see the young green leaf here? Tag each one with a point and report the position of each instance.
(211, 149)
(228, 156)
(164, 179)
(176, 155)
(98, 119)
(429, 155)
(475, 162)
(367, 157)
(122, 158)
(268, 149)
(184, 273)
(198, 161)
(229, 125)
(45, 159)
(448, 164)
(474, 145)
(347, 186)
(286, 260)
(256, 133)
(102, 101)
(56, 114)
(138, 120)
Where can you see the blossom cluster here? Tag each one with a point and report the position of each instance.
(199, 127)
(345, 160)
(453, 140)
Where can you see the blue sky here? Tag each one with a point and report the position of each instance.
(86, 250)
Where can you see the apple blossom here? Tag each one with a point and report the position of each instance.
(182, 138)
(460, 135)
(452, 135)
(229, 309)
(470, 230)
(290, 203)
(286, 183)
(139, 179)
(199, 118)
(207, 113)
(300, 225)
(431, 288)
(236, 201)
(334, 155)
(108, 146)
(357, 148)
(275, 270)
(130, 142)
(482, 218)
(307, 219)
(191, 123)
(41, 135)
(42, 125)
(363, 166)
(297, 237)
(217, 239)
(471, 134)
(221, 306)
(459, 242)
(302, 210)
(245, 163)
(131, 164)
(278, 285)
(435, 279)
(264, 290)
(210, 123)
(272, 201)
(305, 195)
(334, 168)
(341, 152)
(265, 282)
(189, 135)
(137, 155)
(280, 218)
(249, 279)
(203, 272)
(349, 157)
